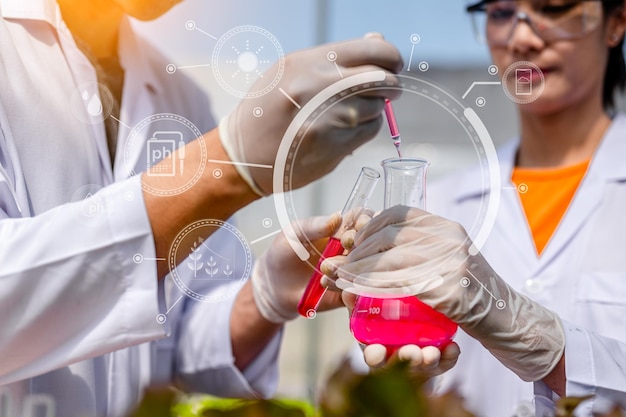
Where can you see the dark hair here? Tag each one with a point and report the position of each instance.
(615, 75)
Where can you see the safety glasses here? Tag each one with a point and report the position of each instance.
(495, 20)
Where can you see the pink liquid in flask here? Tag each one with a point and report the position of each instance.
(394, 322)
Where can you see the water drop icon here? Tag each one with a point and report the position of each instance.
(94, 107)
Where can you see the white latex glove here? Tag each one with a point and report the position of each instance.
(253, 139)
(279, 276)
(407, 250)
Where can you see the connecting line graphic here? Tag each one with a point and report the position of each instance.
(408, 68)
(217, 161)
(265, 237)
(284, 93)
(174, 305)
(338, 69)
(480, 83)
(500, 303)
(119, 121)
(415, 39)
(205, 33)
(162, 318)
(193, 66)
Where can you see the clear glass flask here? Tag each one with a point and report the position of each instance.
(397, 321)
(357, 201)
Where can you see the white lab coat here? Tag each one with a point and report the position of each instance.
(581, 275)
(78, 329)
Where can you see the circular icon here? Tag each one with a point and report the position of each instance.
(522, 188)
(138, 258)
(244, 55)
(211, 269)
(423, 66)
(156, 146)
(492, 70)
(217, 173)
(129, 196)
(331, 56)
(500, 304)
(92, 102)
(161, 318)
(465, 282)
(90, 206)
(170, 68)
(347, 87)
(257, 112)
(480, 102)
(523, 82)
(190, 24)
(415, 39)
(267, 222)
(310, 314)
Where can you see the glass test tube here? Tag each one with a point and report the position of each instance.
(359, 197)
(397, 321)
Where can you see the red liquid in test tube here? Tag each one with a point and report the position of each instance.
(360, 195)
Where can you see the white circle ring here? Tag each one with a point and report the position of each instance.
(173, 257)
(370, 81)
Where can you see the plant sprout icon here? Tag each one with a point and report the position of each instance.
(212, 268)
(194, 263)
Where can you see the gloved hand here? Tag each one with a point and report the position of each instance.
(428, 361)
(409, 251)
(253, 138)
(279, 276)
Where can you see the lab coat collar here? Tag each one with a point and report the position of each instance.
(607, 163)
(470, 188)
(44, 10)
(133, 58)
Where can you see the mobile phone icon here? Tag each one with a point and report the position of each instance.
(523, 82)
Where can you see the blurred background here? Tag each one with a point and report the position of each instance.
(444, 54)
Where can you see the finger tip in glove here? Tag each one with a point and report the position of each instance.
(362, 220)
(451, 351)
(410, 353)
(334, 221)
(431, 356)
(375, 355)
(373, 35)
(328, 268)
(349, 299)
(347, 239)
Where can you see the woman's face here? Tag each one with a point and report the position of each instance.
(573, 69)
(146, 9)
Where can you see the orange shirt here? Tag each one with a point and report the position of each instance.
(545, 196)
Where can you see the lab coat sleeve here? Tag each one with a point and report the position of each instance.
(205, 362)
(594, 365)
(76, 282)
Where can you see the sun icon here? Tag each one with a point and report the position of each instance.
(248, 62)
(244, 55)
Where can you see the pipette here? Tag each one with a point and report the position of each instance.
(360, 195)
(393, 126)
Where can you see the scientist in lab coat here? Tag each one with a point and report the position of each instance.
(87, 320)
(541, 306)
